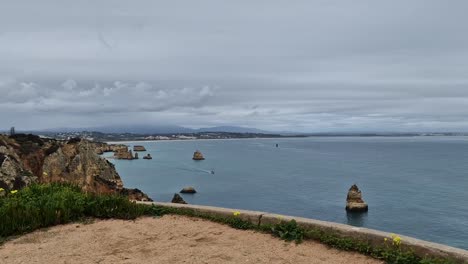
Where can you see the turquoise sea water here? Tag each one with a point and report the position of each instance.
(415, 186)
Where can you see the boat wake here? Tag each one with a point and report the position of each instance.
(193, 169)
(186, 167)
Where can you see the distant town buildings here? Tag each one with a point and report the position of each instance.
(109, 137)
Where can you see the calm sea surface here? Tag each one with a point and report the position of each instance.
(415, 186)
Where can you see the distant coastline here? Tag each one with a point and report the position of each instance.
(187, 140)
(121, 137)
(149, 137)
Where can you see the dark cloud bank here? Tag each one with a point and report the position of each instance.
(277, 65)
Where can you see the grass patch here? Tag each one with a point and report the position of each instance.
(39, 206)
(392, 252)
(234, 221)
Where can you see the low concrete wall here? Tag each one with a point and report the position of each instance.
(373, 237)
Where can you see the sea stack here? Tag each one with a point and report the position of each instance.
(148, 156)
(136, 155)
(178, 199)
(124, 153)
(188, 190)
(354, 202)
(197, 155)
(138, 148)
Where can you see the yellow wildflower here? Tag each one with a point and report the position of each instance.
(14, 191)
(236, 213)
(396, 240)
(1, 189)
(385, 239)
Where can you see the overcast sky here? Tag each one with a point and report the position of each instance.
(277, 65)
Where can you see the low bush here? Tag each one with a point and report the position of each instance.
(288, 230)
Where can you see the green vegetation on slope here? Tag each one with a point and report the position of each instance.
(39, 206)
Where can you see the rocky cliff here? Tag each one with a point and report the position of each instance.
(25, 159)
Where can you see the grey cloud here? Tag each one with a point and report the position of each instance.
(71, 97)
(281, 65)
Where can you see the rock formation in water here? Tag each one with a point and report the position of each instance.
(26, 159)
(136, 155)
(354, 202)
(148, 156)
(197, 155)
(124, 153)
(138, 148)
(101, 148)
(188, 190)
(178, 199)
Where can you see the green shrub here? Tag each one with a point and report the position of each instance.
(288, 230)
(238, 223)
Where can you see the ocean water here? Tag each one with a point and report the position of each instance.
(415, 186)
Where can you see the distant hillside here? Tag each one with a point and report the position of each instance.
(159, 129)
(233, 129)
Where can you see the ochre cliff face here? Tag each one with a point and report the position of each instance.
(78, 163)
(13, 175)
(28, 158)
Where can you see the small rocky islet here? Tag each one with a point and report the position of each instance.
(122, 152)
(139, 148)
(197, 155)
(178, 199)
(125, 154)
(189, 189)
(354, 201)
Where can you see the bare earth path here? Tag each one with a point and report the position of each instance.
(170, 239)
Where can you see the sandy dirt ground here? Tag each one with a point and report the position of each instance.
(169, 239)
